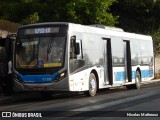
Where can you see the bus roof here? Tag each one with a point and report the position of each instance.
(93, 29)
(108, 32)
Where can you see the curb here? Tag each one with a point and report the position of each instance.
(150, 81)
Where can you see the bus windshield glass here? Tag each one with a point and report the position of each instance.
(40, 52)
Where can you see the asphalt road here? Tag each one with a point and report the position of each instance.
(116, 103)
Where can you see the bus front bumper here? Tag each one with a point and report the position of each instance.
(39, 87)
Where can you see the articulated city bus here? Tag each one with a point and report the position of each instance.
(59, 56)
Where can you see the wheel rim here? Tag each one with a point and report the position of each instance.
(92, 85)
(138, 80)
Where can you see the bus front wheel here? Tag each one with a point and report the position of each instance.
(92, 86)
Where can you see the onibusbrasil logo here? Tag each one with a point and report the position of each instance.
(21, 114)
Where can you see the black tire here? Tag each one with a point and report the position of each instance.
(92, 86)
(7, 85)
(129, 87)
(137, 84)
(7, 90)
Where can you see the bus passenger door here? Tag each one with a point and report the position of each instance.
(127, 57)
(107, 56)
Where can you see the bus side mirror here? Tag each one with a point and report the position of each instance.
(75, 46)
(77, 49)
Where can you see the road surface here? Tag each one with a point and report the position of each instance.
(116, 103)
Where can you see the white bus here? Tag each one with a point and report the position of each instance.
(58, 56)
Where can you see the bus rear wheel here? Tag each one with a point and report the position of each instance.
(92, 86)
(137, 84)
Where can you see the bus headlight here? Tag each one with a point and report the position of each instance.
(61, 76)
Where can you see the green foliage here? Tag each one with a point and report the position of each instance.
(77, 11)
(140, 16)
(33, 18)
(156, 42)
(91, 12)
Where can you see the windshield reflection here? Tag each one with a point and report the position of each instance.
(40, 52)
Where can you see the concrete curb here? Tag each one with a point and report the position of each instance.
(150, 81)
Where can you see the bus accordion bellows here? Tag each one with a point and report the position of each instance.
(60, 56)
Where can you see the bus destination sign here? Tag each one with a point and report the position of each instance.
(41, 30)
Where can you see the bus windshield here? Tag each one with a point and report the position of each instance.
(40, 52)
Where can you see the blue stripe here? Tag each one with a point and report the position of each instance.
(38, 78)
(121, 76)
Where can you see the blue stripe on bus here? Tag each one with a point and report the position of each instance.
(146, 73)
(38, 78)
(121, 76)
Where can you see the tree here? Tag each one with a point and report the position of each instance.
(156, 42)
(140, 16)
(91, 12)
(77, 11)
(33, 18)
